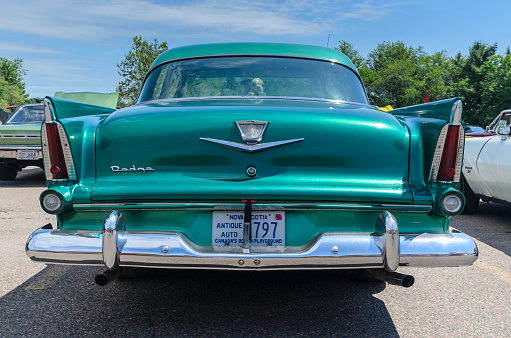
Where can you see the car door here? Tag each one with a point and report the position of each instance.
(494, 166)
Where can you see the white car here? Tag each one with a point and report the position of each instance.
(487, 165)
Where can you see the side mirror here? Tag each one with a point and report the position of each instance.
(503, 131)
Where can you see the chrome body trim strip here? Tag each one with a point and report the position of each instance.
(325, 251)
(437, 158)
(47, 110)
(18, 136)
(45, 147)
(259, 205)
(250, 148)
(456, 110)
(459, 159)
(20, 147)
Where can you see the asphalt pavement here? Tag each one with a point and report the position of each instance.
(52, 300)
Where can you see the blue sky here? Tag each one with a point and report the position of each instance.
(72, 46)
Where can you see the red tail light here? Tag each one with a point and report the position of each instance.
(58, 162)
(58, 167)
(448, 164)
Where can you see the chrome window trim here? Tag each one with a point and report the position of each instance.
(283, 56)
(260, 206)
(200, 98)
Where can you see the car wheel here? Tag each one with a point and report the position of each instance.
(471, 199)
(8, 172)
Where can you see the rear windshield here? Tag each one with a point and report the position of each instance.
(27, 114)
(253, 76)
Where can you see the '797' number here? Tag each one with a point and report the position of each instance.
(265, 227)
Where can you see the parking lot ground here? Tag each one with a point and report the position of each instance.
(52, 300)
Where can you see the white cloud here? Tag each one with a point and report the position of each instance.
(49, 76)
(100, 19)
(5, 46)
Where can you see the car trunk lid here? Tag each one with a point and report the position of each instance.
(348, 153)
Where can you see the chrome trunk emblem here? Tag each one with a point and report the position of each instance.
(251, 132)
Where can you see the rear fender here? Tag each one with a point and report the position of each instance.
(79, 121)
(425, 122)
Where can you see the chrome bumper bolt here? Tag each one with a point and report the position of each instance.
(257, 262)
(241, 262)
(165, 248)
(335, 250)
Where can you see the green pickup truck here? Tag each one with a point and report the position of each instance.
(20, 140)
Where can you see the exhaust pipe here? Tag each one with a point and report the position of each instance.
(394, 278)
(108, 276)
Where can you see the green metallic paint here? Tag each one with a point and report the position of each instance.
(386, 157)
(338, 163)
(254, 49)
(62, 108)
(301, 226)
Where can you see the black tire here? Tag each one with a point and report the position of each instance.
(471, 199)
(8, 172)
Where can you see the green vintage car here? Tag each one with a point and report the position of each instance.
(20, 140)
(252, 156)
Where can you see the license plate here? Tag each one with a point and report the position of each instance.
(268, 231)
(27, 154)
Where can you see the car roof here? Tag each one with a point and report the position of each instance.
(254, 48)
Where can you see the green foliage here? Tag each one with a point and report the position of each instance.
(135, 66)
(399, 75)
(467, 80)
(12, 87)
(495, 88)
(349, 50)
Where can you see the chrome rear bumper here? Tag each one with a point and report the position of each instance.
(115, 247)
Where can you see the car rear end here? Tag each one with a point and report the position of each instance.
(253, 183)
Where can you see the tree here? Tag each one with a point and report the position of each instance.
(135, 66)
(399, 75)
(467, 79)
(495, 88)
(12, 87)
(348, 49)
